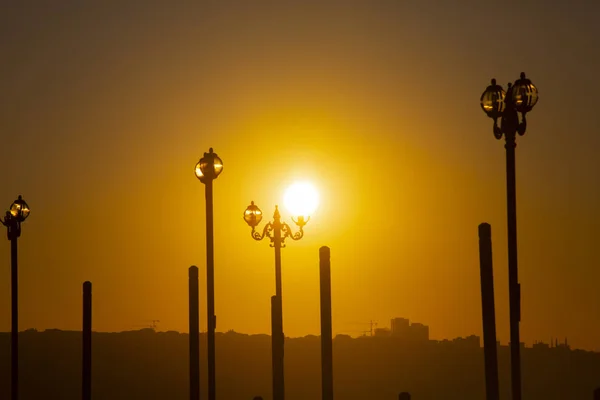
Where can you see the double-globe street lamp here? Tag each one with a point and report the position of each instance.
(519, 98)
(16, 214)
(277, 231)
(207, 170)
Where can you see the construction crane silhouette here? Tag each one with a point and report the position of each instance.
(372, 326)
(150, 323)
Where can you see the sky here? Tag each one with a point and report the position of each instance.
(107, 106)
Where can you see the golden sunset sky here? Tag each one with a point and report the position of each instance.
(106, 108)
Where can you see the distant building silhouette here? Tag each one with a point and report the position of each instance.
(401, 328)
(563, 346)
(383, 332)
(419, 332)
(540, 346)
(469, 341)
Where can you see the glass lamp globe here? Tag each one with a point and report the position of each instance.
(209, 167)
(492, 100)
(19, 209)
(524, 94)
(252, 215)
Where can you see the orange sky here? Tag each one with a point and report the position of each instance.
(106, 109)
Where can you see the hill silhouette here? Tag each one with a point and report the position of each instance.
(146, 364)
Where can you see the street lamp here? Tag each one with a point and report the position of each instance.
(277, 232)
(17, 213)
(207, 170)
(520, 97)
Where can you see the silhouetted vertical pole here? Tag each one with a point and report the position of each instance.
(87, 341)
(194, 334)
(277, 246)
(277, 348)
(513, 276)
(597, 394)
(488, 311)
(210, 292)
(404, 396)
(277, 335)
(274, 347)
(14, 333)
(326, 330)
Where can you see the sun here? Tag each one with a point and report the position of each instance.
(301, 199)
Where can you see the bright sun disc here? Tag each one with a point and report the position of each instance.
(301, 199)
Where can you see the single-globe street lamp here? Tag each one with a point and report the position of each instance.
(207, 170)
(277, 232)
(16, 214)
(519, 98)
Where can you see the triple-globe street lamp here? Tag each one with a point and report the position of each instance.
(277, 232)
(16, 214)
(519, 98)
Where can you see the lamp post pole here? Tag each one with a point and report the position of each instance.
(514, 287)
(277, 242)
(210, 290)
(18, 212)
(14, 325)
(207, 170)
(277, 232)
(278, 347)
(497, 104)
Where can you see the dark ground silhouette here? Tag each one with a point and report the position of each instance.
(154, 365)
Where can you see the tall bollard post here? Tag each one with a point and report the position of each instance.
(326, 329)
(87, 342)
(277, 343)
(404, 396)
(194, 345)
(492, 386)
(597, 394)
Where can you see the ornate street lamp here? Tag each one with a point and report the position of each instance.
(276, 232)
(519, 98)
(207, 170)
(16, 214)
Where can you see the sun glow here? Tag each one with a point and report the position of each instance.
(301, 199)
